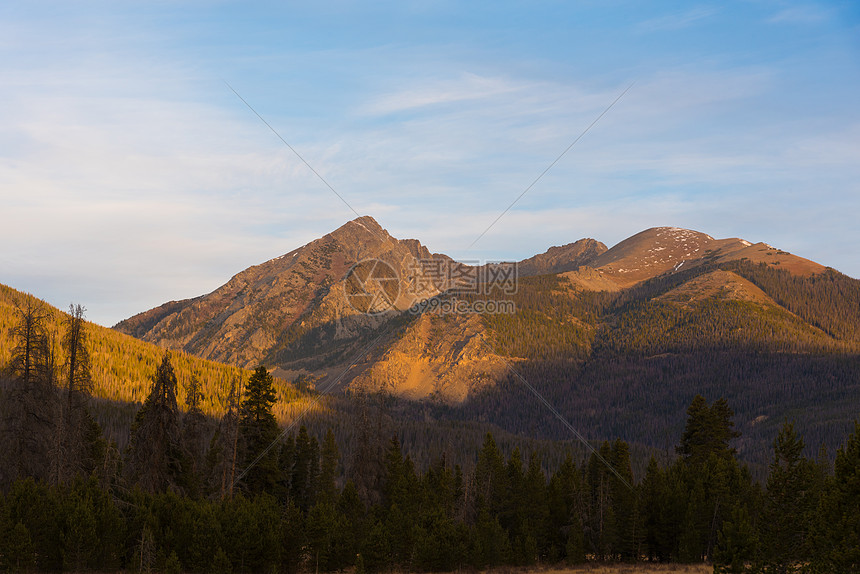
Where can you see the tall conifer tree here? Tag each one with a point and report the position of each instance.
(258, 431)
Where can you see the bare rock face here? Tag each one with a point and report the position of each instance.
(560, 259)
(439, 357)
(260, 310)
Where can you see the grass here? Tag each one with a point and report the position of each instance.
(617, 569)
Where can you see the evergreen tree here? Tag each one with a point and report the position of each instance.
(286, 463)
(562, 495)
(600, 523)
(513, 505)
(155, 459)
(321, 524)
(652, 501)
(695, 525)
(837, 531)
(623, 503)
(293, 538)
(708, 431)
(38, 541)
(305, 471)
(738, 546)
(354, 521)
(19, 555)
(221, 563)
(490, 477)
(92, 527)
(535, 526)
(491, 546)
(788, 508)
(327, 488)
(258, 432)
(400, 504)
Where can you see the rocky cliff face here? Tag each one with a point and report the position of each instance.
(439, 357)
(564, 258)
(261, 310)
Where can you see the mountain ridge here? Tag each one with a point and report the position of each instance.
(293, 312)
(618, 354)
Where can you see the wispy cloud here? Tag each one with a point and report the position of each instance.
(802, 14)
(467, 87)
(133, 176)
(676, 20)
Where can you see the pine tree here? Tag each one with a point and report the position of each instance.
(490, 477)
(708, 431)
(320, 526)
(221, 563)
(561, 496)
(535, 526)
(354, 518)
(258, 432)
(737, 548)
(623, 502)
(599, 520)
(400, 503)
(837, 531)
(327, 489)
(788, 504)
(155, 459)
(303, 479)
(652, 500)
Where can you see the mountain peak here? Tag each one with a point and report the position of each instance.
(367, 222)
(247, 319)
(559, 259)
(679, 233)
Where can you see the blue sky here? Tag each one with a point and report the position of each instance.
(131, 175)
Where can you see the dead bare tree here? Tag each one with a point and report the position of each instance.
(27, 418)
(194, 429)
(75, 428)
(223, 451)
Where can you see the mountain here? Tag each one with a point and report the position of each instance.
(256, 315)
(303, 313)
(663, 249)
(619, 340)
(564, 258)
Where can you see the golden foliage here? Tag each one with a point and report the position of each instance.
(123, 367)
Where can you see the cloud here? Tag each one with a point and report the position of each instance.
(676, 20)
(468, 87)
(801, 14)
(130, 175)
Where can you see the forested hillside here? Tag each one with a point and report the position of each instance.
(237, 493)
(305, 506)
(625, 363)
(122, 368)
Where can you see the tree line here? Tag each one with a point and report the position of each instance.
(253, 497)
(627, 364)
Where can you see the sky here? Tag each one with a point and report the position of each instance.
(131, 174)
